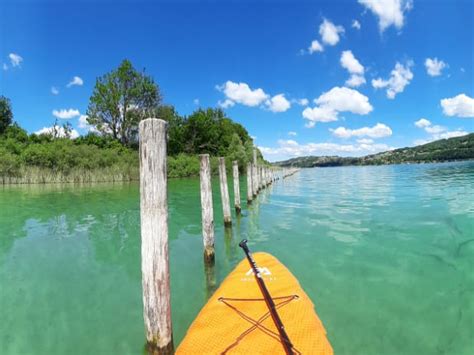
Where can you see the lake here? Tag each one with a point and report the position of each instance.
(386, 254)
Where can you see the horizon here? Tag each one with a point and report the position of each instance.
(344, 78)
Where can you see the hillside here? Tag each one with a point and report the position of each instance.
(452, 149)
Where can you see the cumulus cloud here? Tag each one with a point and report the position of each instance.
(349, 62)
(292, 133)
(353, 66)
(59, 131)
(75, 81)
(365, 141)
(380, 130)
(355, 24)
(278, 103)
(436, 132)
(330, 32)
(290, 148)
(66, 114)
(241, 93)
(54, 90)
(355, 81)
(319, 114)
(315, 47)
(400, 77)
(5, 66)
(338, 99)
(226, 103)
(422, 123)
(389, 12)
(344, 99)
(459, 106)
(15, 60)
(434, 66)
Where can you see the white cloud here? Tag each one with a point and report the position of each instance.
(60, 131)
(400, 77)
(315, 47)
(349, 62)
(226, 103)
(196, 101)
(330, 32)
(380, 130)
(338, 99)
(437, 132)
(356, 24)
(319, 114)
(353, 66)
(5, 66)
(355, 81)
(54, 90)
(15, 60)
(241, 93)
(344, 99)
(434, 66)
(66, 114)
(459, 106)
(75, 81)
(290, 148)
(389, 12)
(422, 123)
(293, 134)
(278, 103)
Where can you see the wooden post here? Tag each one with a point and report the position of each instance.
(224, 193)
(255, 173)
(154, 236)
(207, 210)
(249, 183)
(235, 171)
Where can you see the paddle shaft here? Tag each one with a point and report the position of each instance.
(268, 300)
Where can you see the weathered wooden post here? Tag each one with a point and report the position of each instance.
(235, 171)
(255, 173)
(207, 209)
(154, 236)
(224, 193)
(249, 183)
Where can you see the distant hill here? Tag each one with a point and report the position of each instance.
(452, 149)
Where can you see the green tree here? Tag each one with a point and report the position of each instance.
(176, 126)
(120, 100)
(6, 115)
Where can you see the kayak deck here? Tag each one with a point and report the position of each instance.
(236, 320)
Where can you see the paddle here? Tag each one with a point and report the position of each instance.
(268, 300)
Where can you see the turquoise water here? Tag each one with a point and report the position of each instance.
(385, 253)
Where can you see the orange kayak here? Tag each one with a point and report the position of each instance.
(236, 319)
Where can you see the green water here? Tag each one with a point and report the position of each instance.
(385, 253)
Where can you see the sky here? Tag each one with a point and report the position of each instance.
(344, 77)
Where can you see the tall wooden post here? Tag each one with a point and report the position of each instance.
(224, 193)
(235, 171)
(255, 173)
(249, 183)
(207, 210)
(154, 236)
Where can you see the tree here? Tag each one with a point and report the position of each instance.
(121, 99)
(6, 115)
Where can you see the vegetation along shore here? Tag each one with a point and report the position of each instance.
(109, 152)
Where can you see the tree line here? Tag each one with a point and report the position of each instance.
(119, 101)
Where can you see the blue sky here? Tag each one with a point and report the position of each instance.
(254, 59)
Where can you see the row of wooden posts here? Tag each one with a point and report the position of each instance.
(258, 177)
(154, 222)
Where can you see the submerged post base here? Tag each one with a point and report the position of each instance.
(153, 349)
